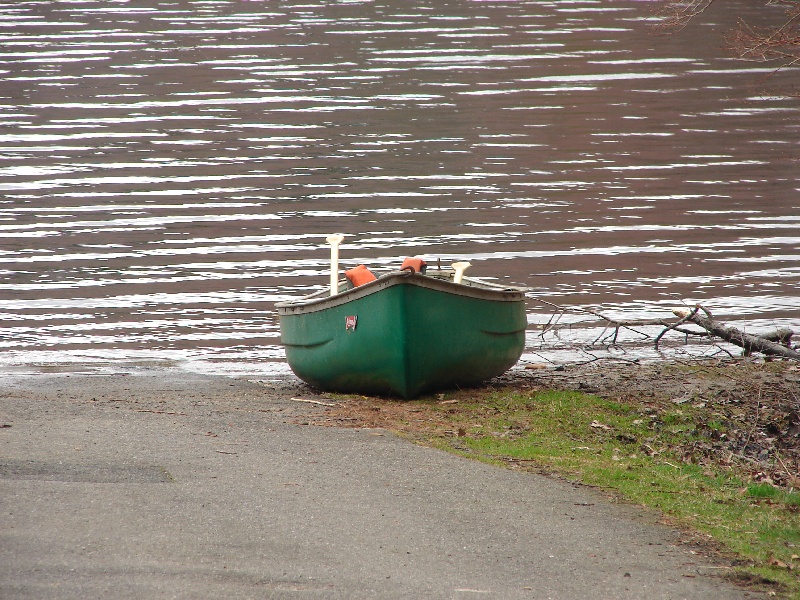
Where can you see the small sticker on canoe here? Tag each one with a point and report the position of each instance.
(350, 322)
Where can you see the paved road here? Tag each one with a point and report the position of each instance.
(147, 486)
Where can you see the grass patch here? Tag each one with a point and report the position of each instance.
(660, 458)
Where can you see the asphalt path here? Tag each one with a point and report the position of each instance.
(156, 485)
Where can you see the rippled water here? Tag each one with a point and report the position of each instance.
(170, 170)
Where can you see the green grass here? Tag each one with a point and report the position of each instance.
(661, 460)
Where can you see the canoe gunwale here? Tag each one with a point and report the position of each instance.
(471, 288)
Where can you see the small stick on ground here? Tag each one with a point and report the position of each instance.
(314, 402)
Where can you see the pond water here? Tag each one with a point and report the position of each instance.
(168, 171)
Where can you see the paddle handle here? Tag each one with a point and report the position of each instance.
(459, 269)
(334, 241)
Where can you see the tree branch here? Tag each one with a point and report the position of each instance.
(747, 341)
(776, 343)
(780, 42)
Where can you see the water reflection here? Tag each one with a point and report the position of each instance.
(167, 174)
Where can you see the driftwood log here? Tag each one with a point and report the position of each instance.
(769, 344)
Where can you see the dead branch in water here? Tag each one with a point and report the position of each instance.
(776, 343)
(612, 328)
(747, 341)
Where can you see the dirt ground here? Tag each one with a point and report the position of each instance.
(753, 406)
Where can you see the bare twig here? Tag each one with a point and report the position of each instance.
(676, 15)
(755, 424)
(673, 326)
(314, 402)
(783, 464)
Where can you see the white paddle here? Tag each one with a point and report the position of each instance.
(334, 241)
(459, 269)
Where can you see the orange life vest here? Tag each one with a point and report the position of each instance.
(417, 264)
(359, 275)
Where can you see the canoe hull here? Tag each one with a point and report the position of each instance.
(403, 336)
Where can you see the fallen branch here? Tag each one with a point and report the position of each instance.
(775, 343)
(611, 323)
(781, 336)
(747, 341)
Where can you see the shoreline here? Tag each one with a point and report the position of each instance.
(199, 486)
(738, 388)
(115, 482)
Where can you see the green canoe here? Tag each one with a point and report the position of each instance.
(404, 334)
